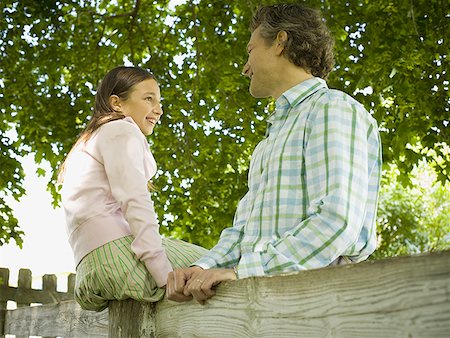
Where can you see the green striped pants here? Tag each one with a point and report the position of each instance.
(113, 272)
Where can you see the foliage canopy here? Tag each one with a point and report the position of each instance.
(392, 56)
(416, 218)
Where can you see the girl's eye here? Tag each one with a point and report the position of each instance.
(149, 98)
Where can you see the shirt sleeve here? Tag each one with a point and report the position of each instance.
(227, 252)
(336, 176)
(123, 155)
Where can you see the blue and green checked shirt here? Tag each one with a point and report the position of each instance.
(313, 187)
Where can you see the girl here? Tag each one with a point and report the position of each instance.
(111, 221)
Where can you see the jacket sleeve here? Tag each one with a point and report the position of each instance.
(122, 150)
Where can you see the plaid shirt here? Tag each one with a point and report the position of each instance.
(313, 187)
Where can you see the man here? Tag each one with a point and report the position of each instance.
(313, 181)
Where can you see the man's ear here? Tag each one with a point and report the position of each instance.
(280, 41)
(115, 102)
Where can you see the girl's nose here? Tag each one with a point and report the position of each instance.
(158, 110)
(246, 70)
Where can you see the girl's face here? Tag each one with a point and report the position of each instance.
(143, 105)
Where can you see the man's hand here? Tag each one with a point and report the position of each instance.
(176, 282)
(201, 283)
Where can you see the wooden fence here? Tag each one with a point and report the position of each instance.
(398, 297)
(59, 315)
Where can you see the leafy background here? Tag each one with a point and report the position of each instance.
(391, 56)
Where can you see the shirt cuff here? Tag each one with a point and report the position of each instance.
(205, 263)
(159, 268)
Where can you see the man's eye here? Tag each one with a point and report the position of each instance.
(149, 98)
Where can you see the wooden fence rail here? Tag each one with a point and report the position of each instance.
(398, 297)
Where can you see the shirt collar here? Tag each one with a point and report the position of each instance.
(294, 95)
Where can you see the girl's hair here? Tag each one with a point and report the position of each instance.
(309, 44)
(118, 81)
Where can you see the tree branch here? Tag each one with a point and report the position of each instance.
(413, 19)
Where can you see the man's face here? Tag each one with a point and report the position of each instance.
(259, 67)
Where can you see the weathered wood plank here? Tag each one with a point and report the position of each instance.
(65, 319)
(22, 295)
(399, 297)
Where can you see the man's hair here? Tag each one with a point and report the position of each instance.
(309, 44)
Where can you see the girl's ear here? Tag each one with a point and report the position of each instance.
(115, 102)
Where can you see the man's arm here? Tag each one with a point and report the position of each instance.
(227, 252)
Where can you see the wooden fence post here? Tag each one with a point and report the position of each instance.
(23, 285)
(123, 316)
(49, 283)
(4, 280)
(71, 283)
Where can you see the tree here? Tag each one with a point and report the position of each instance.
(390, 56)
(413, 219)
